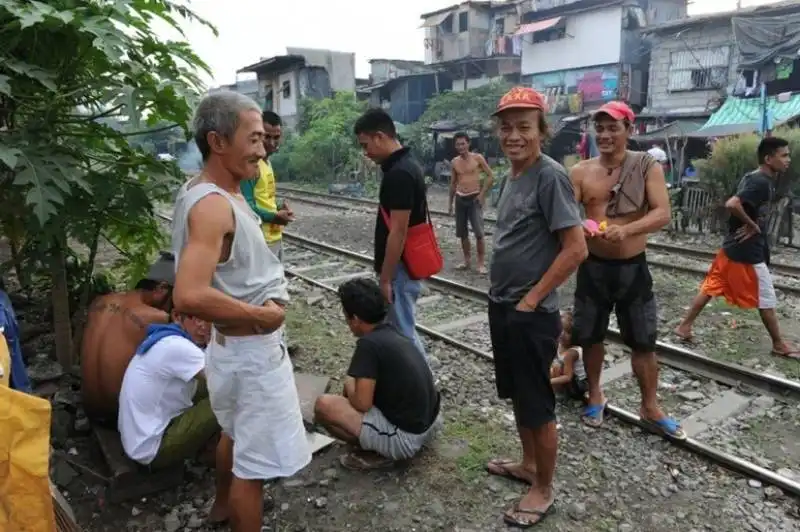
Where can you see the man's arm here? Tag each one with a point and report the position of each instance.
(401, 194)
(359, 387)
(453, 184)
(489, 181)
(751, 192)
(210, 219)
(561, 211)
(660, 212)
(248, 191)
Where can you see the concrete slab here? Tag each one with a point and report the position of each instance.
(427, 300)
(318, 441)
(309, 387)
(727, 404)
(460, 324)
(128, 479)
(347, 277)
(312, 267)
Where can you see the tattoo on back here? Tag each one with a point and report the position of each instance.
(114, 308)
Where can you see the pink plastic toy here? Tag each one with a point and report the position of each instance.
(591, 226)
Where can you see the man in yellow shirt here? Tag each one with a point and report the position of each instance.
(260, 191)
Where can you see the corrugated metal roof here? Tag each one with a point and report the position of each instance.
(743, 115)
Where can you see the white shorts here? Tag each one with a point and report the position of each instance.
(253, 395)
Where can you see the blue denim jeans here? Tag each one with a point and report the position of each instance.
(405, 292)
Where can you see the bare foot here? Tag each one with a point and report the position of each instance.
(511, 470)
(482, 270)
(218, 514)
(462, 267)
(533, 508)
(684, 332)
(783, 349)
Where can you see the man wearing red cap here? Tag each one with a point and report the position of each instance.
(538, 243)
(626, 194)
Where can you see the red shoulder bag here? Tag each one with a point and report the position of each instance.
(421, 255)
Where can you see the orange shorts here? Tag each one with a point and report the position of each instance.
(741, 284)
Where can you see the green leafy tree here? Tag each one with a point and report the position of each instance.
(80, 82)
(325, 148)
(471, 108)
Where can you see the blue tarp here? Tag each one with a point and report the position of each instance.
(8, 321)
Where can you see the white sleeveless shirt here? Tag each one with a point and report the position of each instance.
(252, 273)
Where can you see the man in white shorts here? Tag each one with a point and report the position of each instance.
(239, 286)
(390, 406)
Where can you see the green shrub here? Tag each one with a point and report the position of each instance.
(733, 157)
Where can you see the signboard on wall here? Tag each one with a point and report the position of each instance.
(569, 89)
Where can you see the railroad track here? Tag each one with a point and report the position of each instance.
(326, 266)
(330, 201)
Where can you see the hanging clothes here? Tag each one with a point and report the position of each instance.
(501, 45)
(516, 45)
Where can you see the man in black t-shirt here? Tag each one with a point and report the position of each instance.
(740, 271)
(402, 202)
(390, 405)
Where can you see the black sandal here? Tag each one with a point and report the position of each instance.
(540, 516)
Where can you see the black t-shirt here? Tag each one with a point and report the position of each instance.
(755, 192)
(404, 387)
(402, 189)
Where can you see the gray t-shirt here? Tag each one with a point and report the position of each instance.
(531, 210)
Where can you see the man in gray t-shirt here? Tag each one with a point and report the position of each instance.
(538, 243)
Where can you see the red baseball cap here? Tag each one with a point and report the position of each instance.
(521, 98)
(617, 111)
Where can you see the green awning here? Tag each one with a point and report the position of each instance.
(738, 116)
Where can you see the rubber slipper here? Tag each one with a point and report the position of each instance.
(683, 338)
(593, 415)
(792, 355)
(356, 462)
(539, 516)
(500, 470)
(667, 426)
(462, 267)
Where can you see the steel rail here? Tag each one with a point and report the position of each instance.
(670, 355)
(781, 268)
(734, 463)
(718, 456)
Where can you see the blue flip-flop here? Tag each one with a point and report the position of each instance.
(667, 426)
(595, 413)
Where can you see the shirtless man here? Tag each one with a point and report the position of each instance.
(238, 285)
(469, 197)
(627, 190)
(116, 325)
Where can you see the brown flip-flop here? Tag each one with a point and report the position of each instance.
(538, 516)
(499, 468)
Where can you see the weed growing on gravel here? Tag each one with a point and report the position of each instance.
(475, 442)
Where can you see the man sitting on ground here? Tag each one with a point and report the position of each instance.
(390, 406)
(117, 323)
(164, 414)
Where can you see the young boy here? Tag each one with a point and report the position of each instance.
(567, 373)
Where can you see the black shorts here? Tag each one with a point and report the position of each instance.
(622, 285)
(524, 346)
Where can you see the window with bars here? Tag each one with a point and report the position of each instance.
(699, 69)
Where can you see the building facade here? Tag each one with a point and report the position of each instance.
(583, 53)
(473, 43)
(284, 80)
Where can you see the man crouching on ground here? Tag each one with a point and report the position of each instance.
(390, 406)
(164, 413)
(227, 276)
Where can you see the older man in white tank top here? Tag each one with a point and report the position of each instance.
(227, 275)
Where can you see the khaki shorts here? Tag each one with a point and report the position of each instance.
(187, 434)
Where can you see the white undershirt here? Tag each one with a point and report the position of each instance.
(158, 386)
